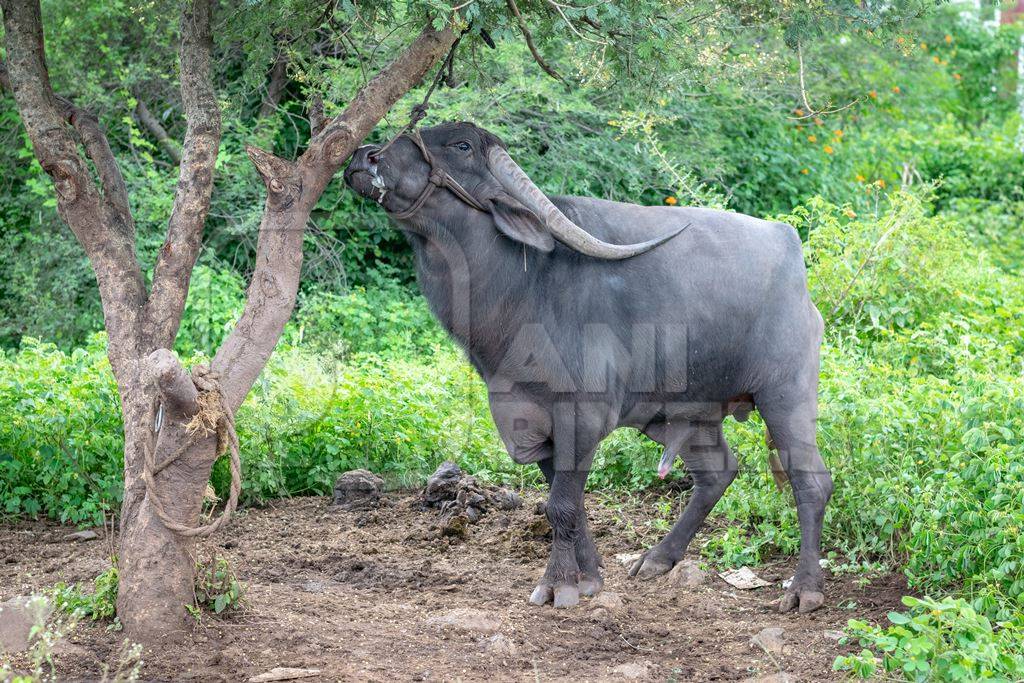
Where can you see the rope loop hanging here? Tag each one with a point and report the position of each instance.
(213, 417)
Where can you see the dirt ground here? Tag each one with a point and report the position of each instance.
(358, 596)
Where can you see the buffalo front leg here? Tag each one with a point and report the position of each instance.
(587, 557)
(560, 583)
(713, 467)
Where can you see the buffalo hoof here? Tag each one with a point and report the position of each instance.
(562, 596)
(804, 593)
(804, 601)
(542, 594)
(590, 585)
(566, 596)
(650, 565)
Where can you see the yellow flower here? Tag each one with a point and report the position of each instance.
(798, 111)
(860, 178)
(850, 213)
(827, 149)
(949, 38)
(818, 121)
(804, 171)
(936, 59)
(838, 132)
(872, 94)
(924, 46)
(812, 138)
(879, 183)
(956, 76)
(671, 201)
(896, 89)
(899, 40)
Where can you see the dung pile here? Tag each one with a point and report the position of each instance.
(462, 500)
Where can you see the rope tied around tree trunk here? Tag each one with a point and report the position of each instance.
(213, 417)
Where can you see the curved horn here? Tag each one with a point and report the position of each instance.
(518, 184)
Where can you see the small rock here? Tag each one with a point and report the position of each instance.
(357, 489)
(627, 559)
(608, 600)
(17, 617)
(833, 635)
(87, 535)
(473, 515)
(467, 620)
(599, 614)
(500, 644)
(779, 677)
(687, 574)
(314, 586)
(743, 578)
(635, 671)
(284, 673)
(771, 640)
(443, 484)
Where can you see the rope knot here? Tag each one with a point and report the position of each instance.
(437, 176)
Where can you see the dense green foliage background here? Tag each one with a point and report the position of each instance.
(911, 204)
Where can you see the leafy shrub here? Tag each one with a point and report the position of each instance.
(61, 441)
(217, 588)
(99, 604)
(937, 640)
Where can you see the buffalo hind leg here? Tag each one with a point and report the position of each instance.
(713, 467)
(587, 557)
(560, 583)
(792, 426)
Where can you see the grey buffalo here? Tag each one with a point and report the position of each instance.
(584, 315)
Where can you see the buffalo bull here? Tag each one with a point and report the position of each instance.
(584, 315)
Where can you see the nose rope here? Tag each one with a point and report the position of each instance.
(438, 176)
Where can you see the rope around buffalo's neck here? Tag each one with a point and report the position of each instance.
(213, 417)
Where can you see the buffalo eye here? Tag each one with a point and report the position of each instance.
(464, 146)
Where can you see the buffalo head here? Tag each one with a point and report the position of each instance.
(434, 173)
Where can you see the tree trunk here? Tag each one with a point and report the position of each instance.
(157, 565)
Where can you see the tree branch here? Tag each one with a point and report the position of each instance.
(156, 129)
(98, 222)
(547, 68)
(195, 178)
(278, 81)
(293, 189)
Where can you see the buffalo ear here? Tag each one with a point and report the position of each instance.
(517, 222)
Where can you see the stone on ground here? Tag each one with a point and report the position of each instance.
(608, 600)
(687, 574)
(467, 620)
(357, 489)
(500, 644)
(17, 617)
(634, 671)
(771, 640)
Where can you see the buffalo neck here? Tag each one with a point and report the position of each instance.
(481, 285)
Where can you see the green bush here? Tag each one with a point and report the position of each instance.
(937, 640)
